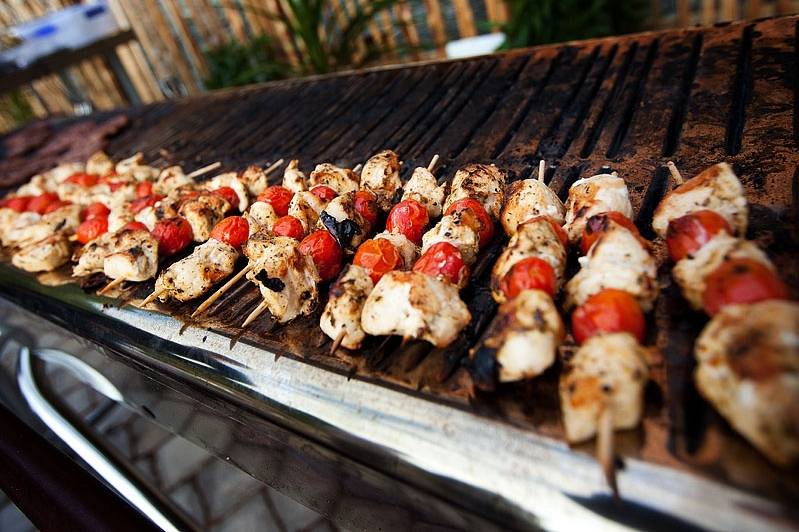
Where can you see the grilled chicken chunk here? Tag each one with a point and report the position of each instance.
(749, 371)
(381, 175)
(527, 199)
(717, 189)
(99, 163)
(136, 167)
(135, 262)
(691, 271)
(595, 195)
(339, 179)
(618, 259)
(344, 222)
(423, 187)
(536, 239)
(482, 182)
(203, 213)
(193, 276)
(407, 249)
(43, 256)
(62, 221)
(461, 229)
(119, 216)
(12, 232)
(293, 178)
(343, 310)
(415, 305)
(260, 217)
(61, 172)
(171, 178)
(525, 334)
(231, 179)
(254, 180)
(306, 207)
(607, 371)
(286, 278)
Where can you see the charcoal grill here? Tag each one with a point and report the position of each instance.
(694, 96)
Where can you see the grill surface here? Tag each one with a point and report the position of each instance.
(694, 96)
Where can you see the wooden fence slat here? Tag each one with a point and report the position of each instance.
(683, 13)
(435, 21)
(236, 23)
(405, 18)
(256, 18)
(175, 54)
(729, 10)
(189, 44)
(708, 12)
(464, 18)
(388, 30)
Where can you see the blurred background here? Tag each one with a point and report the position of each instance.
(62, 57)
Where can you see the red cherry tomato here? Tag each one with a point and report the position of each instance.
(113, 186)
(173, 235)
(599, 223)
(233, 230)
(39, 203)
(288, 226)
(608, 311)
(377, 257)
(279, 197)
(562, 236)
(324, 193)
(366, 205)
(135, 226)
(443, 260)
(529, 274)
(83, 179)
(487, 231)
(688, 233)
(95, 209)
(144, 189)
(741, 281)
(408, 217)
(19, 203)
(91, 229)
(142, 203)
(322, 247)
(230, 196)
(54, 206)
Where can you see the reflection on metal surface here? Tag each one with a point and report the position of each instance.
(72, 437)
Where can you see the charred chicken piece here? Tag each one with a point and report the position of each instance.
(481, 182)
(203, 213)
(43, 256)
(339, 179)
(423, 188)
(194, 275)
(527, 199)
(343, 310)
(136, 262)
(461, 229)
(380, 175)
(293, 178)
(595, 195)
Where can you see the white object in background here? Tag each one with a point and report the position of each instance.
(471, 46)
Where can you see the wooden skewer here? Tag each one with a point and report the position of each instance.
(542, 170)
(149, 299)
(274, 166)
(73, 238)
(222, 289)
(357, 169)
(205, 169)
(433, 162)
(254, 314)
(337, 341)
(675, 174)
(605, 448)
(112, 284)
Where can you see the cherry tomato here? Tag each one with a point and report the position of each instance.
(608, 311)
(487, 231)
(173, 235)
(54, 206)
(279, 197)
(531, 273)
(229, 194)
(135, 226)
(443, 260)
(144, 189)
(408, 217)
(82, 179)
(19, 203)
(688, 233)
(560, 231)
(322, 247)
(233, 230)
(378, 257)
(741, 281)
(142, 203)
(324, 193)
(39, 203)
(91, 229)
(95, 209)
(366, 205)
(113, 186)
(599, 223)
(288, 226)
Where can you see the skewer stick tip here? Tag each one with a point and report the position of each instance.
(111, 285)
(605, 448)
(433, 162)
(254, 314)
(675, 173)
(222, 289)
(337, 341)
(149, 299)
(542, 170)
(274, 166)
(205, 169)
(357, 168)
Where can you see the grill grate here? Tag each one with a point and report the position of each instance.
(694, 96)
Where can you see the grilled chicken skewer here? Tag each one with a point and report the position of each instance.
(748, 354)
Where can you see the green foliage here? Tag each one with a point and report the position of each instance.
(548, 21)
(16, 107)
(235, 64)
